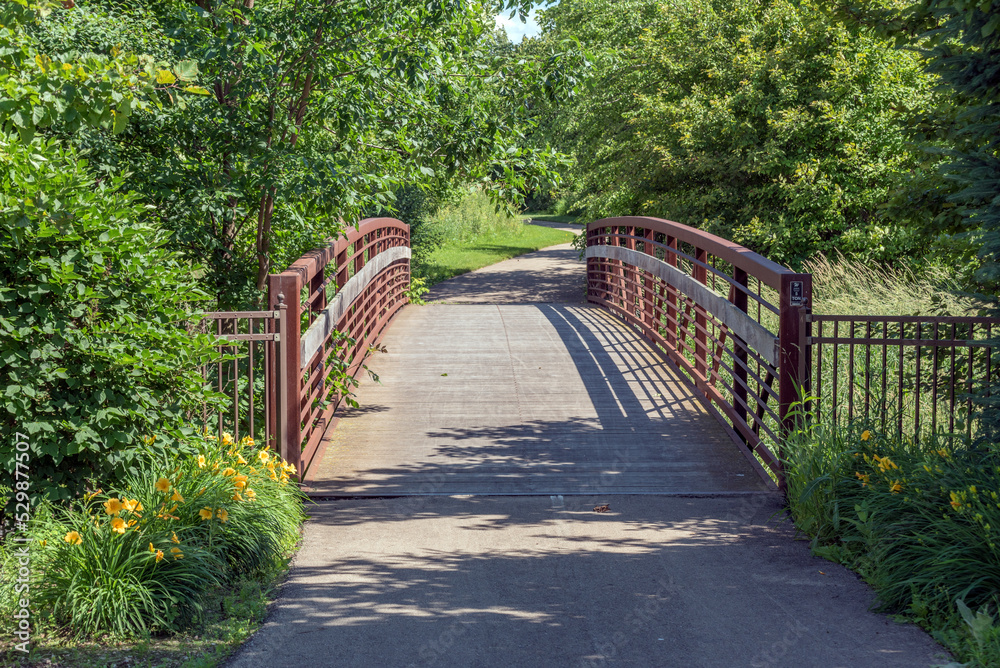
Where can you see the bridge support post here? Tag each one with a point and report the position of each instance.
(283, 292)
(795, 301)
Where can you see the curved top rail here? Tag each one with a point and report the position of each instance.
(312, 262)
(755, 264)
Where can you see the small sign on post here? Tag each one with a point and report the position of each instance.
(796, 295)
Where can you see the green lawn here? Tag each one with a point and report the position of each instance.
(459, 257)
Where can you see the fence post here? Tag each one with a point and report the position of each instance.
(284, 292)
(794, 302)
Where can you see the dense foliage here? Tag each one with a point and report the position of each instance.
(767, 122)
(916, 520)
(299, 117)
(92, 308)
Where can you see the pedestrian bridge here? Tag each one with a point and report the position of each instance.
(670, 361)
(663, 363)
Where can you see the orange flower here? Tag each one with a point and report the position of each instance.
(222, 514)
(229, 471)
(163, 485)
(159, 556)
(176, 496)
(205, 513)
(176, 551)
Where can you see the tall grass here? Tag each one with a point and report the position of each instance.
(846, 287)
(473, 216)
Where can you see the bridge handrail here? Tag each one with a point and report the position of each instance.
(663, 278)
(371, 276)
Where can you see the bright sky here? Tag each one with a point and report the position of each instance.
(516, 31)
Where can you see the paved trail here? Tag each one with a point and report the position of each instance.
(455, 521)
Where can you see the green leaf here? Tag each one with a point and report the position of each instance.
(187, 70)
(197, 90)
(165, 77)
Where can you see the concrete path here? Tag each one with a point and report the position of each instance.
(533, 575)
(537, 582)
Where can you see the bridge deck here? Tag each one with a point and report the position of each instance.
(525, 399)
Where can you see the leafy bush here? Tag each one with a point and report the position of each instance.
(140, 557)
(917, 520)
(92, 307)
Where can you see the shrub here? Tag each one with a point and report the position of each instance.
(91, 311)
(141, 556)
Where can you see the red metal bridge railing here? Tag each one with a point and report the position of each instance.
(733, 320)
(339, 301)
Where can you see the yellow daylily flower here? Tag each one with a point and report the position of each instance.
(205, 513)
(159, 556)
(222, 514)
(240, 460)
(229, 472)
(174, 538)
(113, 506)
(263, 455)
(176, 496)
(118, 525)
(237, 497)
(251, 495)
(956, 502)
(176, 551)
(163, 485)
(73, 538)
(201, 461)
(865, 435)
(151, 548)
(227, 438)
(895, 487)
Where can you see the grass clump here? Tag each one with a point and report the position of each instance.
(917, 520)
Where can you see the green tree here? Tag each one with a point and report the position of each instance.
(317, 112)
(767, 122)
